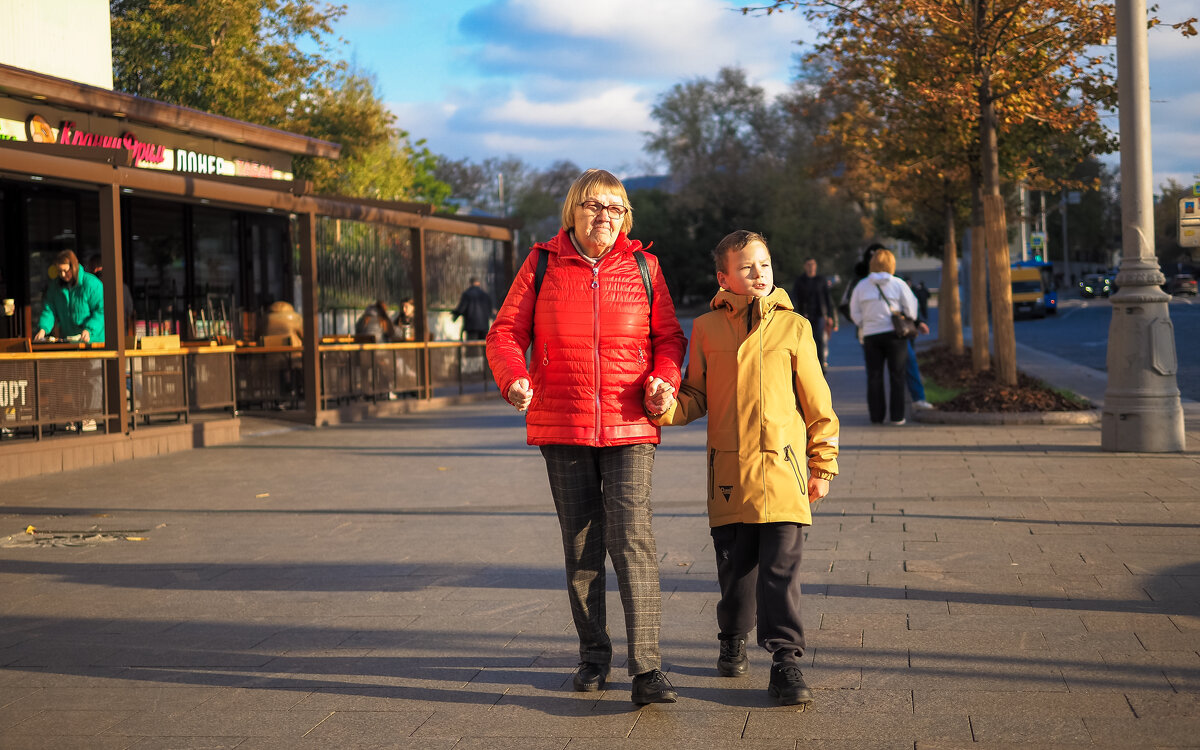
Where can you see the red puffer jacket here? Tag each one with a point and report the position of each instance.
(594, 346)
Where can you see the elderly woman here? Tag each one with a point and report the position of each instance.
(871, 305)
(596, 309)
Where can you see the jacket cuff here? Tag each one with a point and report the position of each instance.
(822, 474)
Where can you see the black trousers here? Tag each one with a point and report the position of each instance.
(758, 569)
(888, 349)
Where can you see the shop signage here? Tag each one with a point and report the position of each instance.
(12, 392)
(149, 152)
(145, 155)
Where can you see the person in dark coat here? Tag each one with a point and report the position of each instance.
(812, 299)
(475, 308)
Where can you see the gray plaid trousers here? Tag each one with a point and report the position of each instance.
(602, 496)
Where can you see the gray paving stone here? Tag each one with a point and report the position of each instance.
(1157, 732)
(933, 702)
(1031, 730)
(348, 609)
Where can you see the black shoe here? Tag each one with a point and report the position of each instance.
(733, 662)
(788, 686)
(653, 687)
(590, 677)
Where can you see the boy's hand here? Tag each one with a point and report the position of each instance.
(520, 394)
(817, 489)
(659, 396)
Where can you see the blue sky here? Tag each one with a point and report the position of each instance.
(547, 80)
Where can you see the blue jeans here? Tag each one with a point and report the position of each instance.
(916, 388)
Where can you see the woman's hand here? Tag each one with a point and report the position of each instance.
(817, 489)
(659, 396)
(520, 394)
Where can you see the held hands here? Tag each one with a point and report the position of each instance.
(817, 489)
(520, 394)
(660, 396)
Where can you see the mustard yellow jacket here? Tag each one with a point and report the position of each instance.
(753, 368)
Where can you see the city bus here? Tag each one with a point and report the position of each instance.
(1049, 283)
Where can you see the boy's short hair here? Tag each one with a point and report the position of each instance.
(733, 242)
(883, 260)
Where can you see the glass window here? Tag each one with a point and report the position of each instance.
(158, 253)
(215, 266)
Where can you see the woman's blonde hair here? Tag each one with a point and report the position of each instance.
(593, 182)
(883, 260)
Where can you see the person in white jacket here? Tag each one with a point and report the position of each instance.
(871, 305)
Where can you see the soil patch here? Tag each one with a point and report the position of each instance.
(980, 392)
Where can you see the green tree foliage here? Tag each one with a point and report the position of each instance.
(531, 196)
(740, 161)
(274, 63)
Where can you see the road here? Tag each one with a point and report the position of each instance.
(1079, 333)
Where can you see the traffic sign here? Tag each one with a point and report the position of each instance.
(1189, 222)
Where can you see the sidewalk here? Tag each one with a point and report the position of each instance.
(398, 584)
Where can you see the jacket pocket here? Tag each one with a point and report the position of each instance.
(724, 490)
(793, 460)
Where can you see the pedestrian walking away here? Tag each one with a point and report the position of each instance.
(761, 482)
(872, 303)
(596, 310)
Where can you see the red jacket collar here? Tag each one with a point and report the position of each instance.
(561, 244)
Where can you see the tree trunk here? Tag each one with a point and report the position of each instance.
(980, 355)
(996, 228)
(950, 331)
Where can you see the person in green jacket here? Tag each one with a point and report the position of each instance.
(74, 301)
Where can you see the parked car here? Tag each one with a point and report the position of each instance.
(1095, 285)
(1181, 283)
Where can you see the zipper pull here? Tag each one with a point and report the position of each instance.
(595, 277)
(545, 354)
(641, 356)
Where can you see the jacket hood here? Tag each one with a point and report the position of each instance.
(879, 277)
(778, 298)
(561, 243)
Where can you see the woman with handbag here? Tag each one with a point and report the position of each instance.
(885, 311)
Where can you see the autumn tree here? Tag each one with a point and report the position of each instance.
(274, 63)
(1001, 62)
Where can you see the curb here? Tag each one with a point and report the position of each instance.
(933, 416)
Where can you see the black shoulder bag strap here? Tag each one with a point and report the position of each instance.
(539, 275)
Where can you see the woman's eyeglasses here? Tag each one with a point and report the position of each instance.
(595, 207)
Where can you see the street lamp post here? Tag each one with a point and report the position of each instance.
(1142, 411)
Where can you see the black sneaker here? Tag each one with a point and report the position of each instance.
(733, 662)
(590, 677)
(653, 687)
(788, 686)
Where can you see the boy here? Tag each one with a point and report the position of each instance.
(772, 449)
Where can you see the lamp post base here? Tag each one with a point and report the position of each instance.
(1142, 411)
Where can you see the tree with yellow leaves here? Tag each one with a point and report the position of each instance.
(992, 71)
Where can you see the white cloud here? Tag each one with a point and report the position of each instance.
(617, 108)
